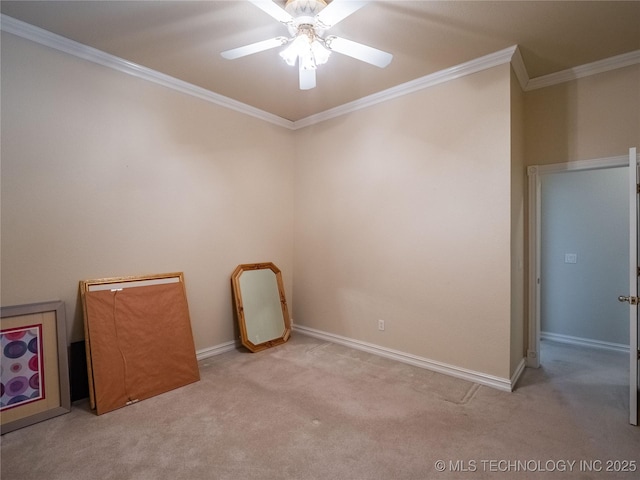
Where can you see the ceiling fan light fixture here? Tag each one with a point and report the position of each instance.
(321, 54)
(296, 48)
(307, 47)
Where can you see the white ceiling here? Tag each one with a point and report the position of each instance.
(184, 39)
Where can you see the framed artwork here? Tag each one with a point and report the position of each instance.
(34, 370)
(138, 338)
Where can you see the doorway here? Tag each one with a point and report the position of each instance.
(572, 255)
(584, 257)
(573, 288)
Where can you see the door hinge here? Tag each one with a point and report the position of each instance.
(638, 354)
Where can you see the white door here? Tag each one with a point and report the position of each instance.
(633, 287)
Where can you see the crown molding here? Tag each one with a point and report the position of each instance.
(517, 63)
(601, 66)
(57, 42)
(510, 54)
(488, 61)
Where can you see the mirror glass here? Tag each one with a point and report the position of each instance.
(260, 305)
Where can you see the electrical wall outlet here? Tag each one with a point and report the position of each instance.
(381, 325)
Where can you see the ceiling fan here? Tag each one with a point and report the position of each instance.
(308, 21)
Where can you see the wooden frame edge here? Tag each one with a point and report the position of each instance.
(239, 309)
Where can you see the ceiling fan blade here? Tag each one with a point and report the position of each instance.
(338, 10)
(274, 10)
(307, 79)
(359, 51)
(254, 48)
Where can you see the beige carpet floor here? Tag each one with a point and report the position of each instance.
(316, 410)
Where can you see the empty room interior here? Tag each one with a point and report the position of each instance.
(445, 207)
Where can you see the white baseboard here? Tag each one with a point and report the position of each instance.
(584, 342)
(518, 372)
(216, 350)
(504, 384)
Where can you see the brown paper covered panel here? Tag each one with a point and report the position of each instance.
(141, 343)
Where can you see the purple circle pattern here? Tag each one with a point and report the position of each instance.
(18, 399)
(15, 349)
(33, 345)
(20, 372)
(17, 386)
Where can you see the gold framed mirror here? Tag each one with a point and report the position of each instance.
(261, 307)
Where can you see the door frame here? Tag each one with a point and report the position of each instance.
(634, 357)
(534, 173)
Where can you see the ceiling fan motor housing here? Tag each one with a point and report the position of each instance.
(304, 14)
(307, 8)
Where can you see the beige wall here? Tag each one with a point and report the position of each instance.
(592, 117)
(107, 175)
(518, 178)
(403, 214)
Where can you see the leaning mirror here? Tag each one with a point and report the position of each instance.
(260, 304)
